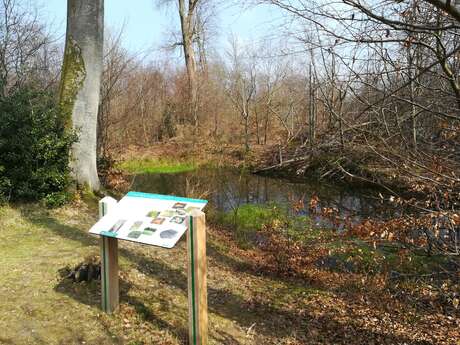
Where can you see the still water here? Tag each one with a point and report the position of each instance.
(226, 189)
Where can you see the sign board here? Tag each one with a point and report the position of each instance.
(153, 219)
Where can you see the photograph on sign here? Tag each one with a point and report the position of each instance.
(153, 219)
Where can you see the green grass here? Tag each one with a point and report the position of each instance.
(156, 166)
(33, 250)
(248, 219)
(40, 307)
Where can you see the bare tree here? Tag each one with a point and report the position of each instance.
(195, 17)
(26, 49)
(241, 85)
(117, 64)
(80, 84)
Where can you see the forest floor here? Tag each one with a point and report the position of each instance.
(248, 304)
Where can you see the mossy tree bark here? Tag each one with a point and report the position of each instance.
(80, 84)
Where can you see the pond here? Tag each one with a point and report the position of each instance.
(226, 189)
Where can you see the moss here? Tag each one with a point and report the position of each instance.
(156, 166)
(73, 77)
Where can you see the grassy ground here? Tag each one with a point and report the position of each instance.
(247, 304)
(156, 166)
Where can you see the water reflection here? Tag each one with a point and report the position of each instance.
(226, 189)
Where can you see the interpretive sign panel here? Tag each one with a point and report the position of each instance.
(154, 219)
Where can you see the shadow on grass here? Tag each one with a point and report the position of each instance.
(266, 319)
(226, 260)
(66, 231)
(148, 314)
(89, 293)
(6, 341)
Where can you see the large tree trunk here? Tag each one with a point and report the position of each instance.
(80, 84)
(187, 16)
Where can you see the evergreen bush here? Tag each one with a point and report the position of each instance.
(34, 148)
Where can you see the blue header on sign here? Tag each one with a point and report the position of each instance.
(164, 197)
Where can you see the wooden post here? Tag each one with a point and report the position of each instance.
(109, 262)
(197, 286)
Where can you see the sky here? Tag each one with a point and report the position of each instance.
(146, 26)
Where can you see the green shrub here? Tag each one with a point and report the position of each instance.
(34, 147)
(57, 199)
